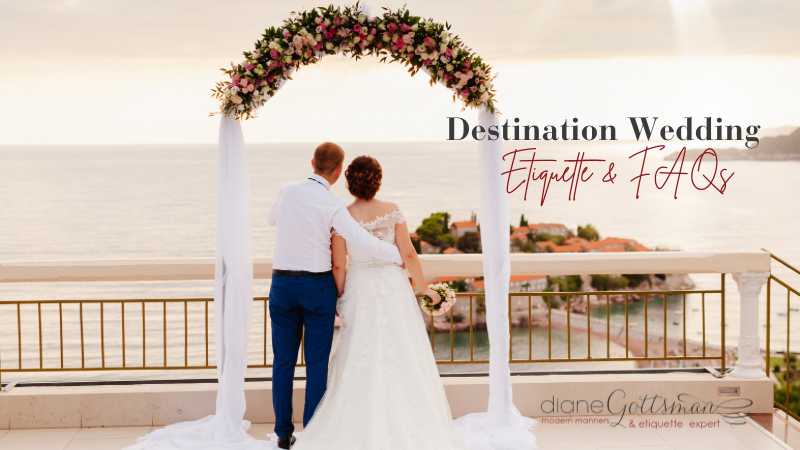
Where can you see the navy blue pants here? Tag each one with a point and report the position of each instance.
(294, 303)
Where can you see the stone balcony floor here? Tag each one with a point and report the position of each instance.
(571, 434)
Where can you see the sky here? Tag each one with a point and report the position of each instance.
(77, 72)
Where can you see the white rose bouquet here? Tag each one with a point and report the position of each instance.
(448, 296)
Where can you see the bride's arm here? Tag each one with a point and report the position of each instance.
(339, 261)
(411, 260)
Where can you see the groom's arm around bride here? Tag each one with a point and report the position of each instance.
(303, 292)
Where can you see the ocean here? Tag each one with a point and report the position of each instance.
(158, 201)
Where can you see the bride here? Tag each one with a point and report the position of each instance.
(384, 389)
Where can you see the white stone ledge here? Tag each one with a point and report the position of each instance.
(155, 405)
(433, 265)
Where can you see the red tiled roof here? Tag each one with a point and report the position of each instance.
(414, 235)
(592, 245)
(613, 241)
(526, 277)
(522, 230)
(545, 244)
(452, 250)
(465, 224)
(478, 284)
(613, 249)
(574, 240)
(445, 279)
(567, 248)
(640, 248)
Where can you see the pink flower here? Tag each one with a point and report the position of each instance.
(427, 41)
(337, 22)
(363, 37)
(249, 66)
(373, 31)
(410, 54)
(465, 93)
(379, 45)
(466, 64)
(323, 26)
(274, 54)
(473, 88)
(308, 53)
(447, 76)
(448, 53)
(394, 48)
(287, 36)
(391, 27)
(357, 28)
(404, 27)
(328, 35)
(251, 88)
(269, 80)
(318, 46)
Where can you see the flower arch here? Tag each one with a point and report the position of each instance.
(397, 36)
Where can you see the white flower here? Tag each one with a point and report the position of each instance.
(287, 58)
(411, 33)
(327, 22)
(329, 45)
(227, 92)
(382, 26)
(370, 37)
(414, 27)
(449, 67)
(424, 56)
(318, 20)
(488, 84)
(318, 37)
(240, 108)
(386, 38)
(361, 18)
(236, 99)
(482, 88)
(356, 40)
(443, 34)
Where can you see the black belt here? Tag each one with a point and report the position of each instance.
(299, 273)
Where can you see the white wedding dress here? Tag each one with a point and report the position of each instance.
(384, 390)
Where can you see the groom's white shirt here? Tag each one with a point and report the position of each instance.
(304, 213)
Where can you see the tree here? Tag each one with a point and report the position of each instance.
(445, 222)
(523, 222)
(431, 229)
(588, 232)
(470, 242)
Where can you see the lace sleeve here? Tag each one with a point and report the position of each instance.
(398, 216)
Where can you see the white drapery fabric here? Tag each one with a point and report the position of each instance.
(502, 427)
(233, 307)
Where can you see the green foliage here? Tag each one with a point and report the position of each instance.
(572, 283)
(794, 397)
(458, 285)
(470, 242)
(458, 318)
(523, 222)
(433, 229)
(529, 246)
(588, 232)
(609, 283)
(637, 279)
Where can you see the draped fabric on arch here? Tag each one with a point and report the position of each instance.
(233, 308)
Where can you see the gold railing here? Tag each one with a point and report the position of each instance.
(125, 340)
(102, 344)
(590, 329)
(790, 382)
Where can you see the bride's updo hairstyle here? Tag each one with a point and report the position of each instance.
(363, 177)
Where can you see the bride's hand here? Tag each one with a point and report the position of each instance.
(435, 298)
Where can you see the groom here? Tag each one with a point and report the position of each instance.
(303, 292)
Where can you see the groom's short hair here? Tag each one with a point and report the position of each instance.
(328, 157)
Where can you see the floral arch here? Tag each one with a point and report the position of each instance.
(394, 36)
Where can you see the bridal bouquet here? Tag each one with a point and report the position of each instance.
(448, 296)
